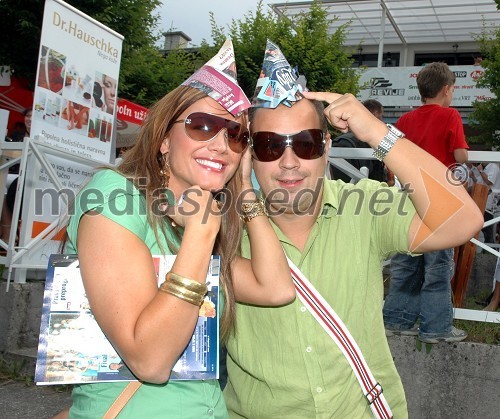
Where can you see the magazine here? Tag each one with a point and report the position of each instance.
(217, 78)
(73, 349)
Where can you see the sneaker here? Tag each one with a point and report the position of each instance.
(456, 335)
(402, 332)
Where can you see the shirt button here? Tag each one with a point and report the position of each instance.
(309, 349)
(210, 411)
(319, 389)
(303, 309)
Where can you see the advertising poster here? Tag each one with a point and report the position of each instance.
(76, 84)
(44, 203)
(397, 86)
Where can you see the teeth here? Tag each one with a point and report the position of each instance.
(210, 163)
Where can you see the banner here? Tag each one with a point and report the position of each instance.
(397, 86)
(76, 83)
(128, 122)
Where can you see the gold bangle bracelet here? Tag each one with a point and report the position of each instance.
(182, 293)
(187, 283)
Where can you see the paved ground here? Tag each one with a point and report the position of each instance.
(19, 400)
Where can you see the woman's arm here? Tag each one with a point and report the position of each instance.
(265, 279)
(149, 328)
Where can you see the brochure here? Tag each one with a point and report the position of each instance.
(73, 349)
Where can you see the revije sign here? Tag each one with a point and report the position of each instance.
(397, 86)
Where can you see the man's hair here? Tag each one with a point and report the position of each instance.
(318, 106)
(432, 78)
(373, 106)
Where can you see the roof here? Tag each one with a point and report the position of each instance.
(407, 22)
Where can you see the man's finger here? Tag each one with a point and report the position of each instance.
(323, 96)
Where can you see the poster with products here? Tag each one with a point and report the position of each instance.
(76, 84)
(73, 349)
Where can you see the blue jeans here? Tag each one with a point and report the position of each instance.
(420, 288)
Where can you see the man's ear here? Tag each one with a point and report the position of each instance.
(328, 138)
(165, 145)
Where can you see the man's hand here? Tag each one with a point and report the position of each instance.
(345, 112)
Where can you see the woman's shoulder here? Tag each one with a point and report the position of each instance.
(108, 180)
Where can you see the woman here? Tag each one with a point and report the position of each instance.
(109, 92)
(192, 145)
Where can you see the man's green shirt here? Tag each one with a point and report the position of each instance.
(281, 363)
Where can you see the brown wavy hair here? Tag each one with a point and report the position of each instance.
(142, 165)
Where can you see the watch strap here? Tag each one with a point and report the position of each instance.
(387, 142)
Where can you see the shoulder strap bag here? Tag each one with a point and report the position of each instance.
(337, 330)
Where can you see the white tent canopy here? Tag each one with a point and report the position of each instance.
(404, 22)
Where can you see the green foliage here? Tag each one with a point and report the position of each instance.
(134, 19)
(21, 28)
(485, 116)
(146, 75)
(304, 41)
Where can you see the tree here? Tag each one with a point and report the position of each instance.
(485, 116)
(304, 41)
(143, 76)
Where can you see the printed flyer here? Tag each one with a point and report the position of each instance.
(73, 349)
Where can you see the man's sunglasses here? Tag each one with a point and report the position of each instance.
(269, 146)
(201, 126)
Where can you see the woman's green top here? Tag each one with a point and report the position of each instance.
(113, 196)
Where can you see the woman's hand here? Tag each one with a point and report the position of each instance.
(197, 209)
(246, 168)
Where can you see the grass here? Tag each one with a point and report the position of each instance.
(480, 332)
(14, 370)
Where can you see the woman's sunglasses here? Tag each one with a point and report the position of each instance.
(201, 126)
(269, 146)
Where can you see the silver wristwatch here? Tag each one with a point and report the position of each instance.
(387, 142)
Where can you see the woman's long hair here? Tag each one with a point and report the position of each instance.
(142, 165)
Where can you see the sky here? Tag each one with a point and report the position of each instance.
(192, 16)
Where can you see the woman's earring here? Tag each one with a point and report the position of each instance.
(165, 170)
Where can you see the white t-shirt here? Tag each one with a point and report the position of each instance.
(492, 170)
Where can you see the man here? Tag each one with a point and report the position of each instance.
(281, 363)
(419, 300)
(375, 167)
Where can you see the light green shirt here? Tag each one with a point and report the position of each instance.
(281, 363)
(116, 198)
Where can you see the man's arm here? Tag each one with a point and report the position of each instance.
(461, 155)
(446, 214)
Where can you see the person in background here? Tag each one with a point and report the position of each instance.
(420, 287)
(488, 175)
(494, 299)
(375, 167)
(281, 362)
(10, 197)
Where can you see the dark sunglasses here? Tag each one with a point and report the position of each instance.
(201, 126)
(269, 146)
